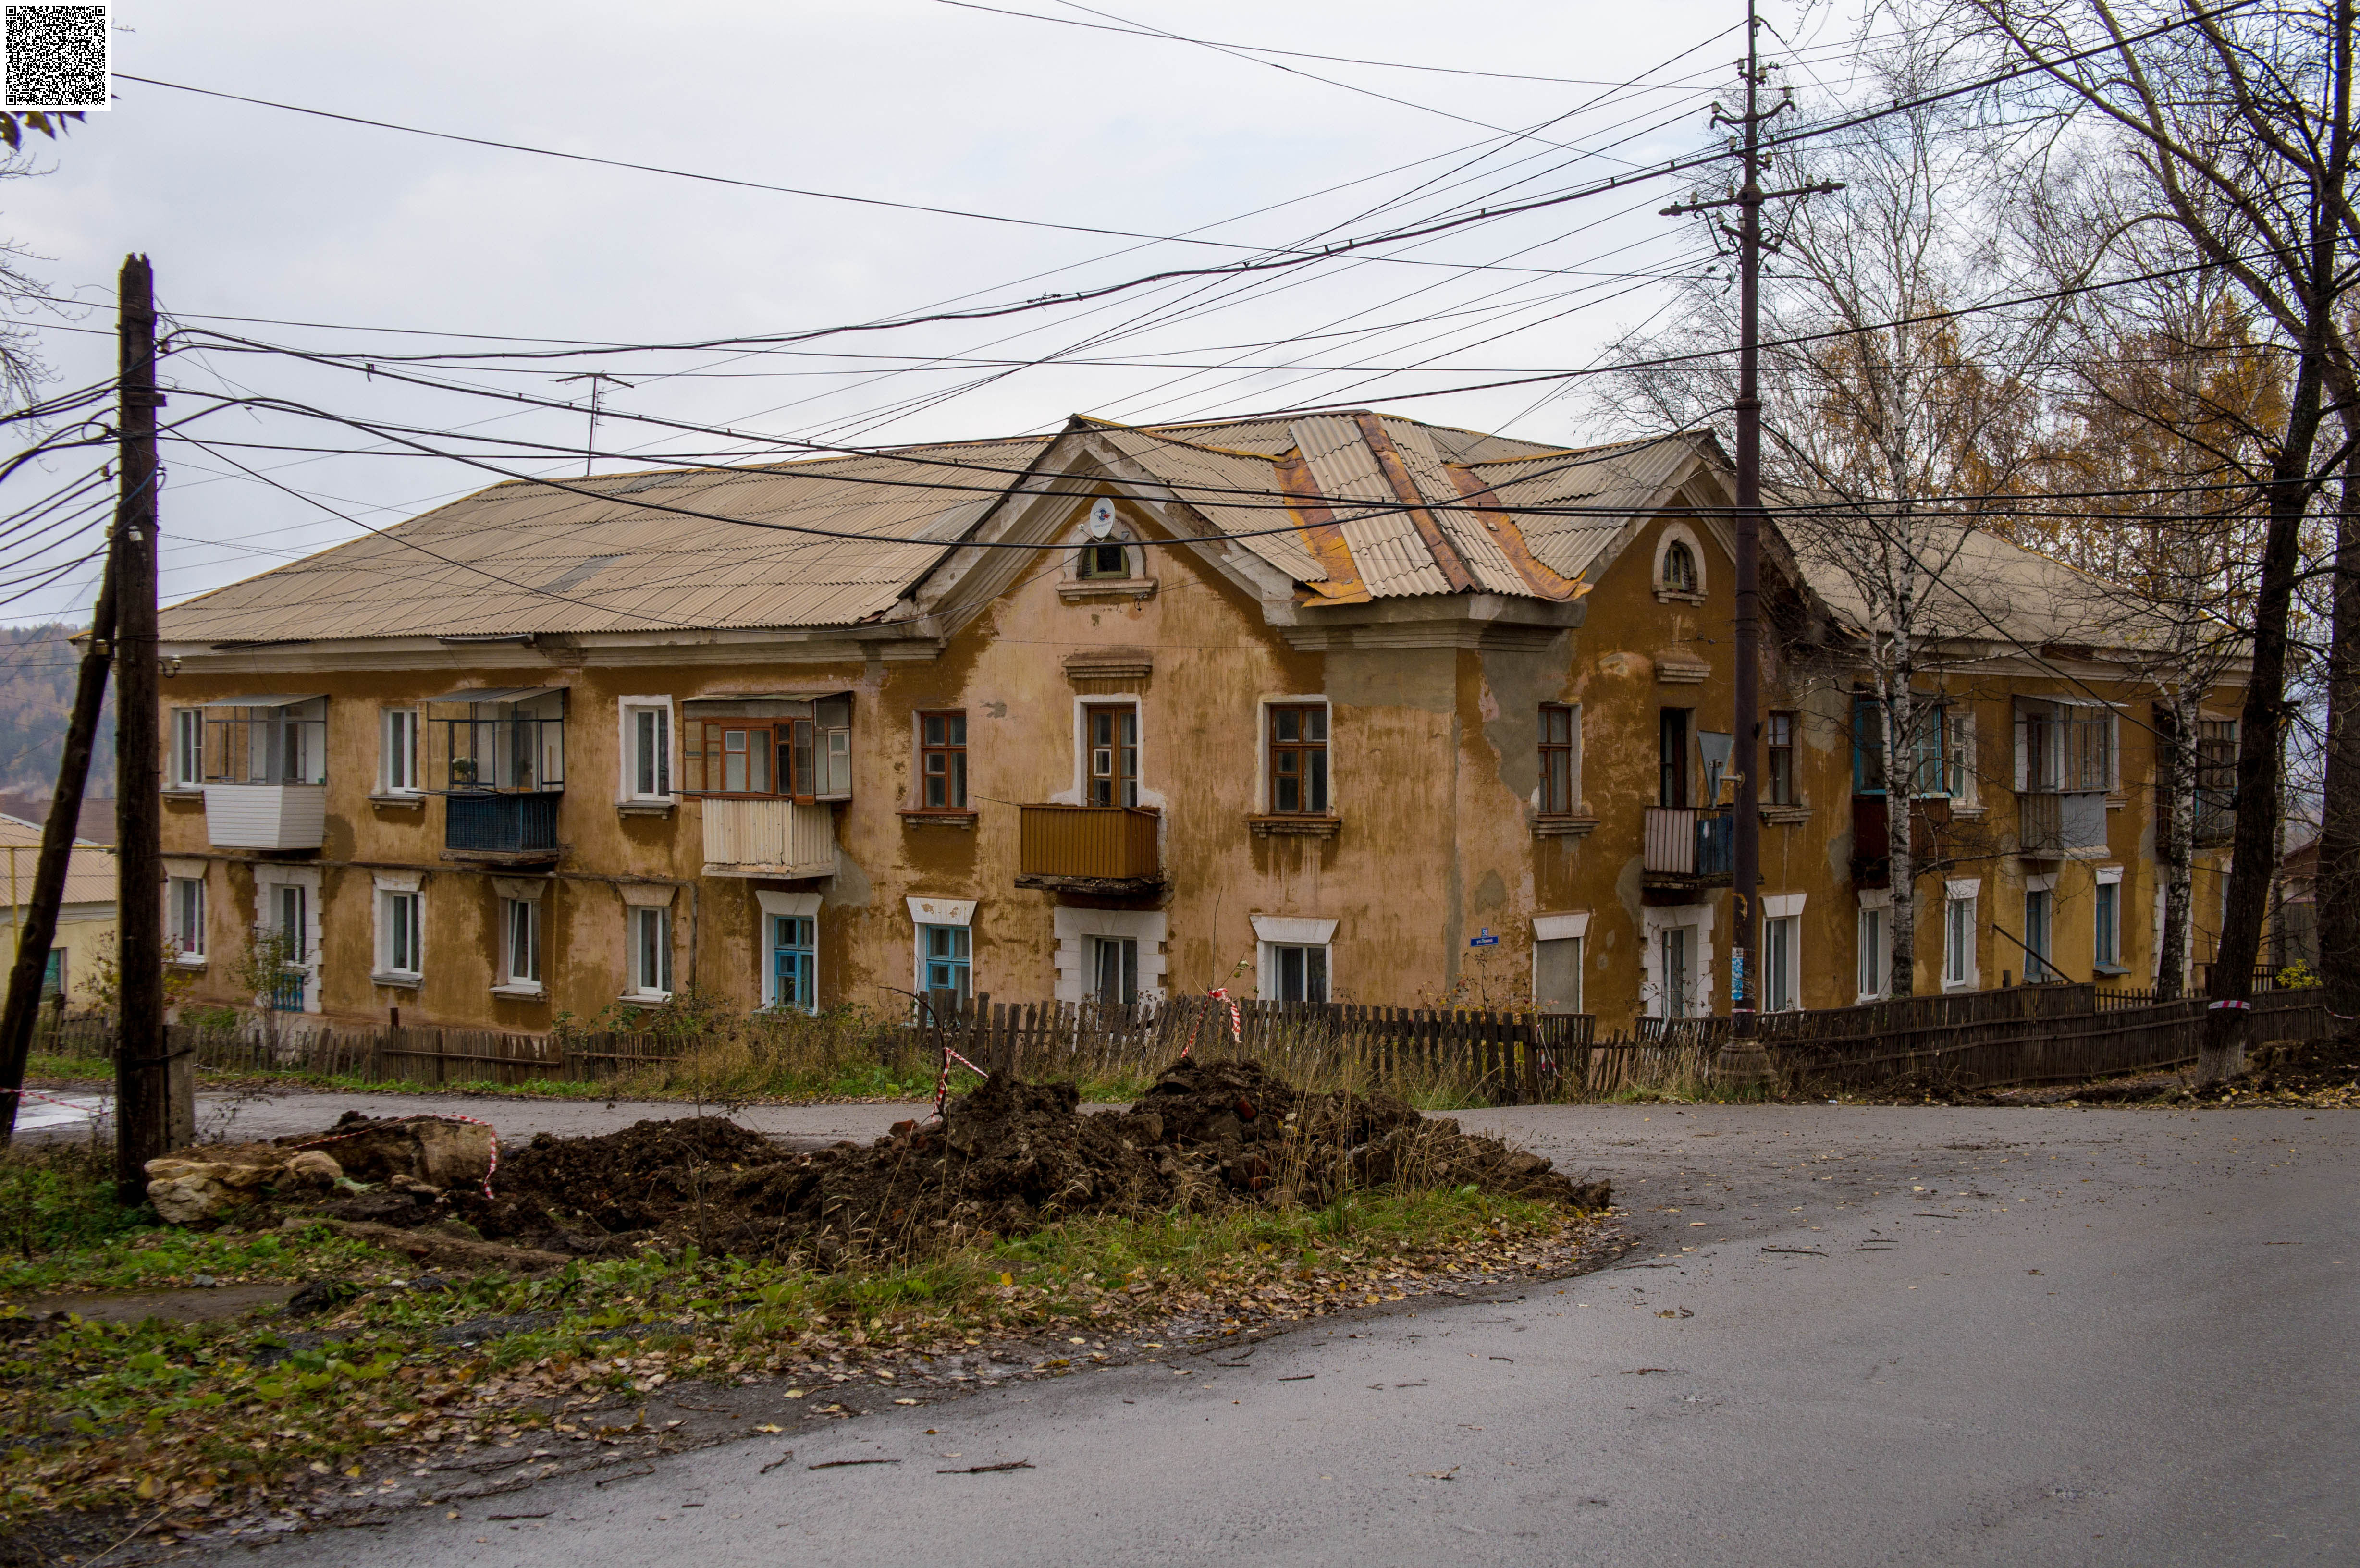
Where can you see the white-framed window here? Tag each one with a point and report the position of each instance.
(1298, 970)
(1559, 943)
(184, 919)
(1780, 983)
(188, 768)
(650, 938)
(1676, 976)
(1680, 564)
(2106, 924)
(1296, 958)
(1875, 946)
(1959, 968)
(286, 908)
(1114, 970)
(1780, 937)
(520, 943)
(400, 931)
(2039, 928)
(396, 771)
(646, 748)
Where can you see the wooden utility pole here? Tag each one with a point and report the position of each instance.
(38, 918)
(1742, 1058)
(142, 1094)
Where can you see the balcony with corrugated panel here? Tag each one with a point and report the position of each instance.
(778, 837)
(1104, 851)
(2055, 824)
(1688, 847)
(486, 827)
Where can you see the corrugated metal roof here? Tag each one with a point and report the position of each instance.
(673, 547)
(491, 563)
(90, 870)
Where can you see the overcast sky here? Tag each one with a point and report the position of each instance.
(261, 213)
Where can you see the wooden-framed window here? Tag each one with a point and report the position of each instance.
(1112, 756)
(942, 762)
(1679, 568)
(1101, 561)
(1299, 760)
(1778, 758)
(768, 756)
(1560, 776)
(1672, 763)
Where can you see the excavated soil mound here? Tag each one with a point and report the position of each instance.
(1007, 1159)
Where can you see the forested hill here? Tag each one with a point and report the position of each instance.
(36, 681)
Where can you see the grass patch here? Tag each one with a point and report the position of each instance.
(69, 1069)
(208, 1421)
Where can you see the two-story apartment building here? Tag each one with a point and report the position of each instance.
(1342, 706)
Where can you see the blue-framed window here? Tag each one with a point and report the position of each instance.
(795, 962)
(943, 960)
(1939, 748)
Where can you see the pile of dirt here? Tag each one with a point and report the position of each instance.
(1007, 1159)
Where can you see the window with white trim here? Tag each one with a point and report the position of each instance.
(647, 752)
(400, 930)
(1959, 935)
(188, 748)
(2106, 924)
(1114, 970)
(1876, 948)
(1298, 970)
(520, 943)
(1556, 974)
(1780, 938)
(396, 770)
(184, 919)
(651, 934)
(946, 961)
(792, 979)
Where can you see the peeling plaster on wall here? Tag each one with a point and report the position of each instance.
(1419, 678)
(1515, 685)
(1627, 886)
(1490, 893)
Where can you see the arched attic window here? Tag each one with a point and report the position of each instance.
(1679, 568)
(1110, 559)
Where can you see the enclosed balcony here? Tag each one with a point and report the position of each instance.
(1689, 847)
(260, 763)
(2052, 824)
(1104, 851)
(780, 838)
(1871, 862)
(502, 828)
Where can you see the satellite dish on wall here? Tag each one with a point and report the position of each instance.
(1102, 519)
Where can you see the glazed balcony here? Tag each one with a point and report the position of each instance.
(1107, 851)
(2052, 824)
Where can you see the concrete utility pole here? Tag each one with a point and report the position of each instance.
(143, 1118)
(1743, 1060)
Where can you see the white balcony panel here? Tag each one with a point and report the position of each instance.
(769, 838)
(266, 816)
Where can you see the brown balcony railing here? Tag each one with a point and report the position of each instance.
(1089, 849)
(2040, 824)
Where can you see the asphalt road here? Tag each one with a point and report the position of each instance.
(1856, 1335)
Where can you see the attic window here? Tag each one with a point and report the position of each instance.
(1679, 568)
(1100, 561)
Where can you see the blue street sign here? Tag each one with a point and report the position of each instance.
(1486, 939)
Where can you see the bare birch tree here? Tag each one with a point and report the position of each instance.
(2238, 122)
(1889, 394)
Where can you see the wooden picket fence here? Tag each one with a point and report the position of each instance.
(1507, 1058)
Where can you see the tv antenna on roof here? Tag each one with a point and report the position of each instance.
(590, 448)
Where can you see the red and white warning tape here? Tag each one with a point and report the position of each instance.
(48, 1100)
(1237, 1025)
(942, 1079)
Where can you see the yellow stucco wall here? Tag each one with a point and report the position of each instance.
(1433, 738)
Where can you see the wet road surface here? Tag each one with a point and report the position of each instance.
(1853, 1335)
